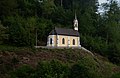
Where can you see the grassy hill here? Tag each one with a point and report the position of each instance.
(54, 63)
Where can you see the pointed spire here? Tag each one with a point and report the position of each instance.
(75, 22)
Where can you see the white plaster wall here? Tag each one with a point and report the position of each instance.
(54, 42)
(68, 41)
(57, 41)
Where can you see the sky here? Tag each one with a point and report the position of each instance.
(102, 1)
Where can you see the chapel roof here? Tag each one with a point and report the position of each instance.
(63, 31)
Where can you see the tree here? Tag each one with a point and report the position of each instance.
(44, 26)
(26, 8)
(110, 30)
(22, 31)
(7, 8)
(52, 69)
(48, 8)
(3, 35)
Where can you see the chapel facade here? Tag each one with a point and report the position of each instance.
(61, 37)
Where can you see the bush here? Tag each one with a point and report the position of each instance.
(85, 68)
(23, 72)
(52, 69)
(116, 75)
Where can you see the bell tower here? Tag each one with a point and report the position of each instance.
(75, 23)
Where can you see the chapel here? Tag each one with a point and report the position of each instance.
(62, 37)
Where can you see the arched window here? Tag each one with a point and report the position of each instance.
(63, 41)
(73, 41)
(50, 40)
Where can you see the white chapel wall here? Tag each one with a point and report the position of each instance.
(57, 41)
(68, 41)
(54, 42)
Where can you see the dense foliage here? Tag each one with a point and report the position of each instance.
(20, 19)
(57, 69)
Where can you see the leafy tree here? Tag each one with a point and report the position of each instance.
(26, 8)
(7, 8)
(78, 71)
(3, 35)
(21, 31)
(52, 69)
(110, 30)
(48, 8)
(44, 26)
(85, 68)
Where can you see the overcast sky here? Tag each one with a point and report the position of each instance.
(103, 1)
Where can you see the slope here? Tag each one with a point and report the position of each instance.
(76, 60)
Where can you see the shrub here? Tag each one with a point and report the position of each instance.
(116, 75)
(23, 72)
(84, 68)
(52, 69)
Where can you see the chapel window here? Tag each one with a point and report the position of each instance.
(50, 40)
(63, 41)
(73, 41)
